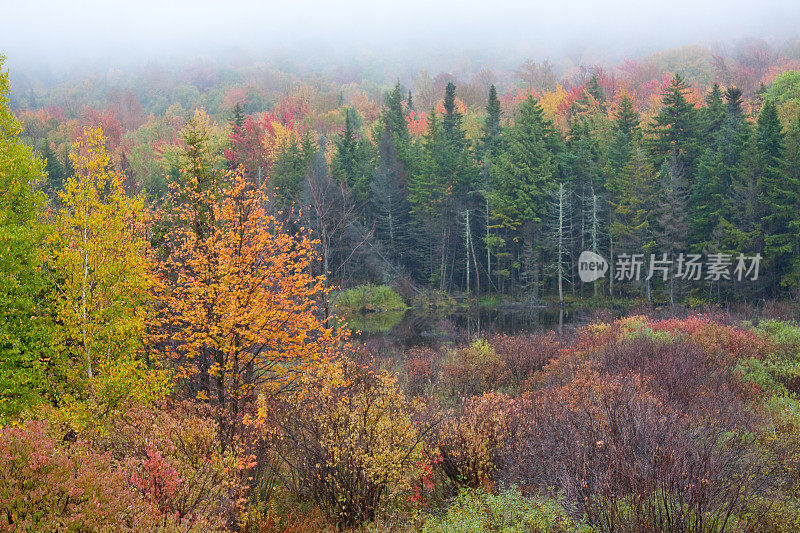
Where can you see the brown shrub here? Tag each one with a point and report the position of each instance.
(468, 443)
(629, 458)
(473, 369)
(421, 370)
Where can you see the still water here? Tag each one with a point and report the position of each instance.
(415, 327)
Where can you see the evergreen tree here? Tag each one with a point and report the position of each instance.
(675, 128)
(238, 114)
(394, 116)
(489, 148)
(428, 195)
(594, 89)
(389, 206)
(626, 133)
(451, 122)
(521, 176)
(290, 168)
(717, 171)
(54, 182)
(352, 158)
(632, 226)
(524, 168)
(491, 125)
(791, 170)
(713, 114)
(671, 221)
(779, 194)
(439, 190)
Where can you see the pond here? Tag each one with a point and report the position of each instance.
(413, 327)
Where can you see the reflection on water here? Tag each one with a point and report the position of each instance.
(420, 327)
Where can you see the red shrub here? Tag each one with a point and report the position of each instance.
(524, 354)
(726, 344)
(45, 486)
(421, 370)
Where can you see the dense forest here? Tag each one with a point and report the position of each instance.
(185, 253)
(460, 187)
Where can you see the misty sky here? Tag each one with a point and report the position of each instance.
(36, 31)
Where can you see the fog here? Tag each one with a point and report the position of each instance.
(64, 35)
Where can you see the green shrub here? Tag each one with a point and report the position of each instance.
(778, 374)
(369, 298)
(476, 511)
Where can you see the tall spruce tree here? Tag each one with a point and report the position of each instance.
(352, 159)
(521, 176)
(717, 170)
(779, 195)
(675, 128)
(491, 125)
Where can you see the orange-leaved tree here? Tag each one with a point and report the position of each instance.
(240, 305)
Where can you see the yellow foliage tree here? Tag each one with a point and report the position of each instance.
(100, 264)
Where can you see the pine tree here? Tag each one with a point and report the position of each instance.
(632, 218)
(490, 147)
(626, 133)
(428, 195)
(491, 125)
(594, 89)
(439, 190)
(671, 221)
(238, 115)
(523, 170)
(451, 121)
(389, 206)
(290, 168)
(54, 182)
(675, 128)
(352, 158)
(521, 176)
(791, 170)
(717, 171)
(394, 116)
(779, 194)
(713, 114)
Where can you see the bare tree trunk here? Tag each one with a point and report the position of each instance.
(87, 347)
(466, 242)
(475, 263)
(488, 248)
(561, 244)
(594, 232)
(611, 267)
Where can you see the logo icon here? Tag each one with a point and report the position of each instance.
(591, 266)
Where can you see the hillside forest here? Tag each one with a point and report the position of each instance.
(186, 251)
